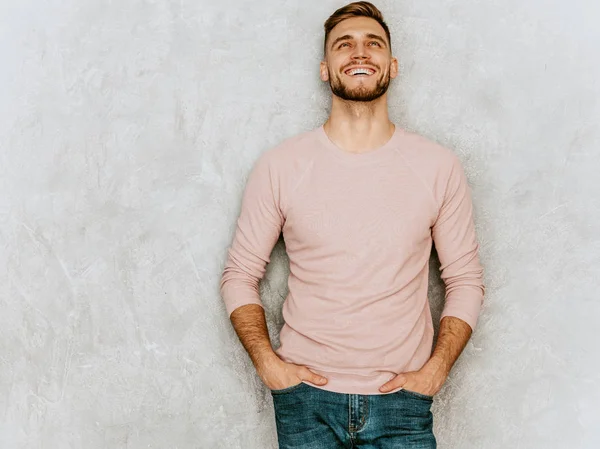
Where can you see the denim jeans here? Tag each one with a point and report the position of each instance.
(308, 417)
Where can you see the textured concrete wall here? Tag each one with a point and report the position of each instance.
(127, 129)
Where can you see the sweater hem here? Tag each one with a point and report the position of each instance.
(347, 383)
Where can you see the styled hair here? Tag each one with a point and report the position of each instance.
(355, 9)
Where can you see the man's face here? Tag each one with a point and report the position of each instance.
(358, 42)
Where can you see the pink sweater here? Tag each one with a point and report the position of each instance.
(358, 230)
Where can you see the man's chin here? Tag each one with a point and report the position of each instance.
(353, 95)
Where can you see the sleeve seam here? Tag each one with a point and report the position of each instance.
(420, 178)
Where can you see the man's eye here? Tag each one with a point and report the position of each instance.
(372, 42)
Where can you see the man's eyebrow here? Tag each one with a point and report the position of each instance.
(368, 35)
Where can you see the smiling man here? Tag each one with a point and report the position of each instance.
(360, 202)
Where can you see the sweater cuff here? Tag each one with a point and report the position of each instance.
(464, 304)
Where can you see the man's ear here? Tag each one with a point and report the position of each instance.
(394, 68)
(324, 71)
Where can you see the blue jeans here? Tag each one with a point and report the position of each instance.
(308, 417)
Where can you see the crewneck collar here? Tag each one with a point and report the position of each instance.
(379, 154)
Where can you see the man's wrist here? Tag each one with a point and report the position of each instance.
(266, 359)
(437, 367)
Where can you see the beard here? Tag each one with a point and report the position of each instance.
(360, 92)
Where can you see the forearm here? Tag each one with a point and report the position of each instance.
(453, 336)
(251, 327)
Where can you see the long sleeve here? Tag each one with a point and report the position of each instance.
(456, 244)
(258, 228)
(358, 231)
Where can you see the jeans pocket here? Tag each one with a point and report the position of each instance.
(417, 395)
(287, 389)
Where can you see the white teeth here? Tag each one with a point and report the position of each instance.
(363, 71)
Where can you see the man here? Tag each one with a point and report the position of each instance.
(360, 203)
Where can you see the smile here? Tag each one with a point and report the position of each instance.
(363, 71)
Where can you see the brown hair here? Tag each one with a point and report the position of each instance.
(355, 9)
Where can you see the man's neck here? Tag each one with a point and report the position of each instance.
(360, 134)
(357, 126)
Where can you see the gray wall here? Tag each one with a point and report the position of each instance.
(126, 132)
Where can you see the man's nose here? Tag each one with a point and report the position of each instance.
(359, 53)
